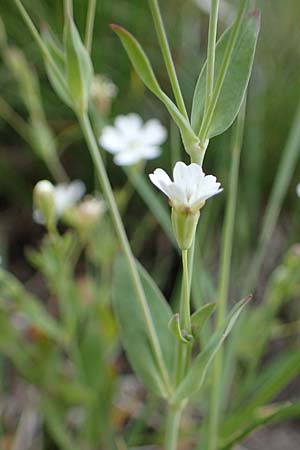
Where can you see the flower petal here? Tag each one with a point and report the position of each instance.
(112, 140)
(161, 180)
(150, 152)
(66, 195)
(129, 125)
(128, 157)
(153, 132)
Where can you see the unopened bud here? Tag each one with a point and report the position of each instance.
(86, 215)
(44, 201)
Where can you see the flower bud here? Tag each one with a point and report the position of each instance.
(103, 91)
(85, 216)
(44, 201)
(184, 224)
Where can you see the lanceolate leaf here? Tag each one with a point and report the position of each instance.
(268, 384)
(196, 375)
(79, 69)
(236, 80)
(59, 58)
(133, 327)
(259, 417)
(200, 317)
(144, 70)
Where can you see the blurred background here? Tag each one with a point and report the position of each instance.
(33, 122)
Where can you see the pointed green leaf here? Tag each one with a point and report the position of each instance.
(196, 375)
(58, 57)
(261, 416)
(79, 69)
(134, 333)
(144, 70)
(236, 79)
(174, 327)
(267, 385)
(200, 316)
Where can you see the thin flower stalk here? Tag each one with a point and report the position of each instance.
(119, 227)
(90, 20)
(224, 278)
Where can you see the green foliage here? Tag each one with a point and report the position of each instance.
(143, 68)
(135, 336)
(236, 78)
(196, 375)
(79, 69)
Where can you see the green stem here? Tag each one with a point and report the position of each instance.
(10, 116)
(211, 51)
(226, 255)
(90, 20)
(119, 228)
(40, 42)
(172, 428)
(56, 169)
(185, 303)
(223, 71)
(68, 8)
(165, 48)
(183, 349)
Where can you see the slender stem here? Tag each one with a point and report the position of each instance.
(119, 228)
(40, 42)
(68, 8)
(172, 428)
(223, 71)
(8, 114)
(185, 303)
(211, 51)
(165, 48)
(56, 168)
(183, 349)
(90, 20)
(224, 279)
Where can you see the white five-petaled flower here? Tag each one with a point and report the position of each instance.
(65, 196)
(190, 188)
(131, 140)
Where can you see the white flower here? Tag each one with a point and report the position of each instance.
(190, 188)
(131, 140)
(65, 195)
(298, 190)
(226, 11)
(103, 91)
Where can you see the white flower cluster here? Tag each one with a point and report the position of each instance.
(64, 201)
(132, 141)
(65, 195)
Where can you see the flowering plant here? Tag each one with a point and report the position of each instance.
(175, 348)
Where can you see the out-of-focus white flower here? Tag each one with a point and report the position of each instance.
(226, 11)
(131, 140)
(188, 194)
(190, 188)
(65, 195)
(103, 91)
(298, 190)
